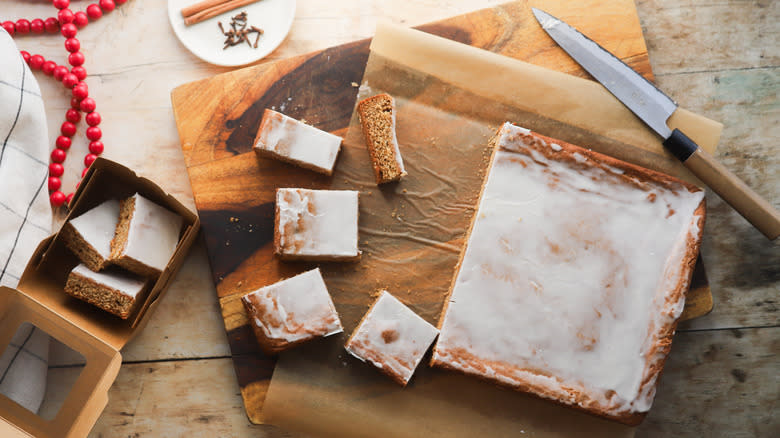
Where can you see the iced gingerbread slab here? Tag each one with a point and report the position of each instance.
(574, 276)
(392, 338)
(89, 235)
(146, 236)
(292, 311)
(112, 290)
(377, 119)
(290, 140)
(318, 225)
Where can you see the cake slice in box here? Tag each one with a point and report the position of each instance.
(146, 236)
(318, 225)
(290, 140)
(573, 278)
(392, 338)
(291, 311)
(89, 235)
(112, 290)
(377, 119)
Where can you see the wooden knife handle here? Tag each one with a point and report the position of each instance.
(728, 186)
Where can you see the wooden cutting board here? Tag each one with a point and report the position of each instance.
(217, 119)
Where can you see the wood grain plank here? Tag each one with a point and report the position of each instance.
(694, 36)
(720, 383)
(197, 398)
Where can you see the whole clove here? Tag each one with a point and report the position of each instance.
(238, 32)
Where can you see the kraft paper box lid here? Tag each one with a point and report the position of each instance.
(95, 334)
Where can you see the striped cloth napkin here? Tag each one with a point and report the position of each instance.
(25, 215)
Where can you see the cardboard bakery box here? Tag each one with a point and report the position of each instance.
(97, 335)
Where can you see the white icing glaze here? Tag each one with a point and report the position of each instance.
(392, 337)
(297, 141)
(396, 150)
(297, 308)
(318, 222)
(124, 282)
(564, 281)
(153, 234)
(97, 226)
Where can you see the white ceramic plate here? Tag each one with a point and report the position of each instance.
(205, 40)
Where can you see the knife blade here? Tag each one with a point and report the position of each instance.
(654, 108)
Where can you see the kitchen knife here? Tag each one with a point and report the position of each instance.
(654, 108)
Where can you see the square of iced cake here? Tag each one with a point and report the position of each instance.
(292, 311)
(293, 141)
(146, 236)
(89, 235)
(318, 225)
(392, 338)
(574, 276)
(112, 290)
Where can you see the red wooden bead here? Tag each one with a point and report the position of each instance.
(69, 80)
(48, 67)
(120, 2)
(57, 198)
(54, 183)
(9, 27)
(59, 72)
(107, 5)
(63, 143)
(89, 159)
(80, 72)
(75, 103)
(96, 147)
(22, 26)
(37, 26)
(76, 59)
(83, 172)
(68, 30)
(65, 16)
(61, 4)
(36, 62)
(68, 129)
(69, 198)
(80, 91)
(93, 119)
(25, 55)
(72, 115)
(72, 45)
(58, 155)
(52, 25)
(94, 133)
(94, 12)
(80, 19)
(56, 169)
(88, 105)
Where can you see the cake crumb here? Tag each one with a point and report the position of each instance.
(355, 84)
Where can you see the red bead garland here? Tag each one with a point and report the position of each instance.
(67, 23)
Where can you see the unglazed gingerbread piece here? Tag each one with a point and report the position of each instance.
(318, 225)
(392, 338)
(89, 235)
(146, 236)
(377, 119)
(112, 290)
(574, 276)
(291, 311)
(293, 141)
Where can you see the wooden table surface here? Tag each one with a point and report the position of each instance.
(720, 59)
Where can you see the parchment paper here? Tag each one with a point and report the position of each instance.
(450, 100)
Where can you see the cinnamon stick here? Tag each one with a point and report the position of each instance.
(217, 7)
(200, 6)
